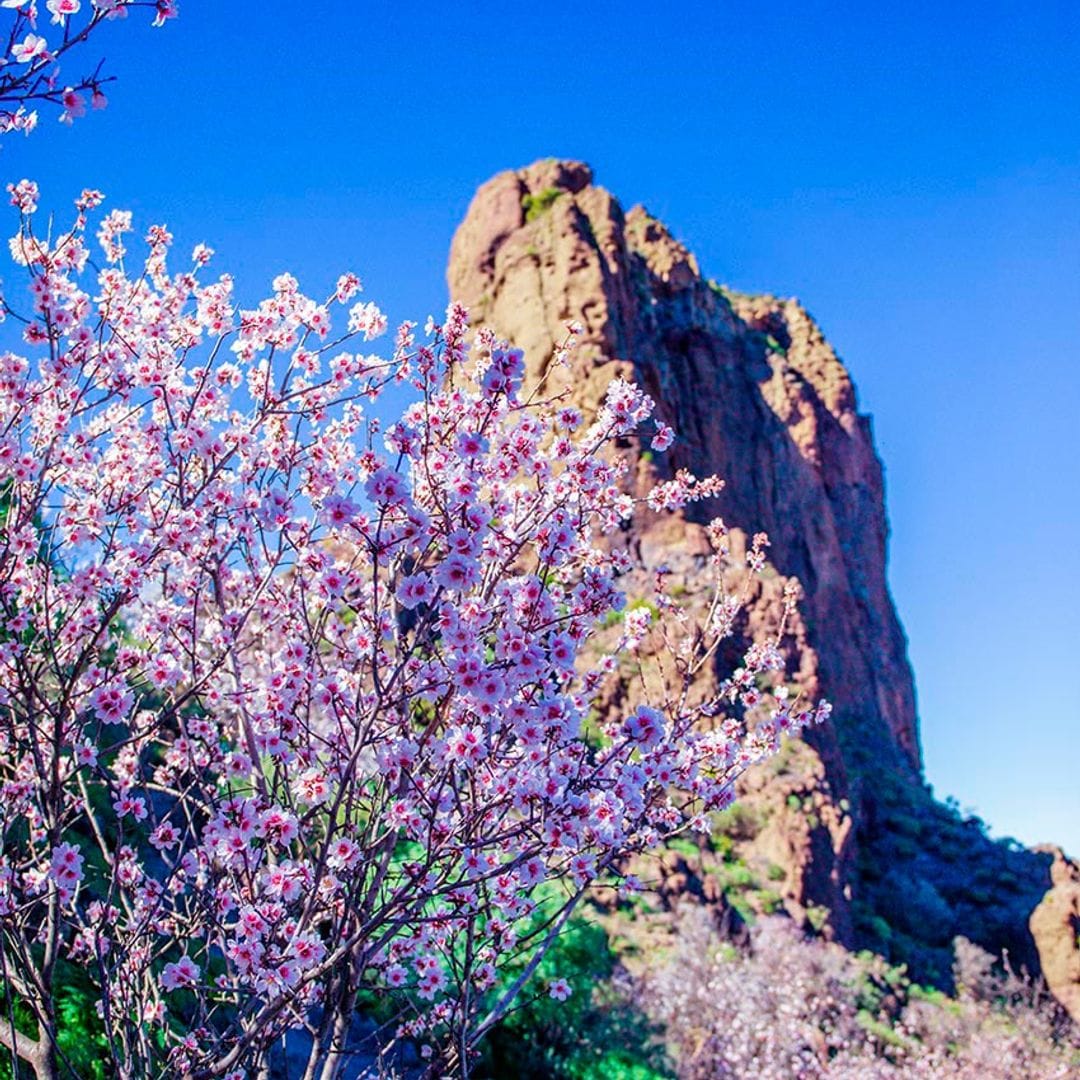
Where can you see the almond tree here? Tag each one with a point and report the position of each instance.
(295, 705)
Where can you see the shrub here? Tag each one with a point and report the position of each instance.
(788, 1006)
(540, 202)
(596, 1033)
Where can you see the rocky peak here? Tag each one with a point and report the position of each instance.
(1055, 926)
(749, 382)
(841, 826)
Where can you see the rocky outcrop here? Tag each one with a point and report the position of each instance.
(1055, 926)
(844, 827)
(751, 385)
(758, 397)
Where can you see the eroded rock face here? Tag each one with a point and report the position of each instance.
(754, 390)
(757, 396)
(843, 826)
(1055, 925)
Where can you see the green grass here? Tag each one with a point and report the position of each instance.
(81, 1036)
(880, 1031)
(685, 847)
(595, 1034)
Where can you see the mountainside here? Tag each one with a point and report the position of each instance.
(841, 830)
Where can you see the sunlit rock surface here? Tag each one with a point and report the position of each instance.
(841, 827)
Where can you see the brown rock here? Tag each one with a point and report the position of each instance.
(1055, 926)
(750, 383)
(759, 397)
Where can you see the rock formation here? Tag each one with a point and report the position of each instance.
(1055, 925)
(843, 824)
(751, 385)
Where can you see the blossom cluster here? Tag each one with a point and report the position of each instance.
(31, 72)
(296, 703)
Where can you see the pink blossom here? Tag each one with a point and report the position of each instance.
(348, 285)
(344, 854)
(470, 444)
(414, 590)
(166, 9)
(465, 745)
(24, 195)
(133, 805)
(663, 438)
(368, 320)
(457, 573)
(312, 787)
(61, 9)
(338, 511)
(30, 48)
(165, 836)
(112, 703)
(86, 754)
(185, 972)
(385, 487)
(65, 866)
(569, 418)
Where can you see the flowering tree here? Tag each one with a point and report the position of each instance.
(296, 707)
(30, 70)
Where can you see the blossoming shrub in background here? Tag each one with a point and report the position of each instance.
(792, 1007)
(292, 703)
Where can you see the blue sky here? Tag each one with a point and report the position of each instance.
(912, 176)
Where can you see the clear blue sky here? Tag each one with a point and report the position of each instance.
(913, 176)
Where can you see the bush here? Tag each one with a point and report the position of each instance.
(595, 1035)
(792, 1007)
(539, 203)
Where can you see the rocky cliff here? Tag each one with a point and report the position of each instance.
(1055, 926)
(841, 826)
